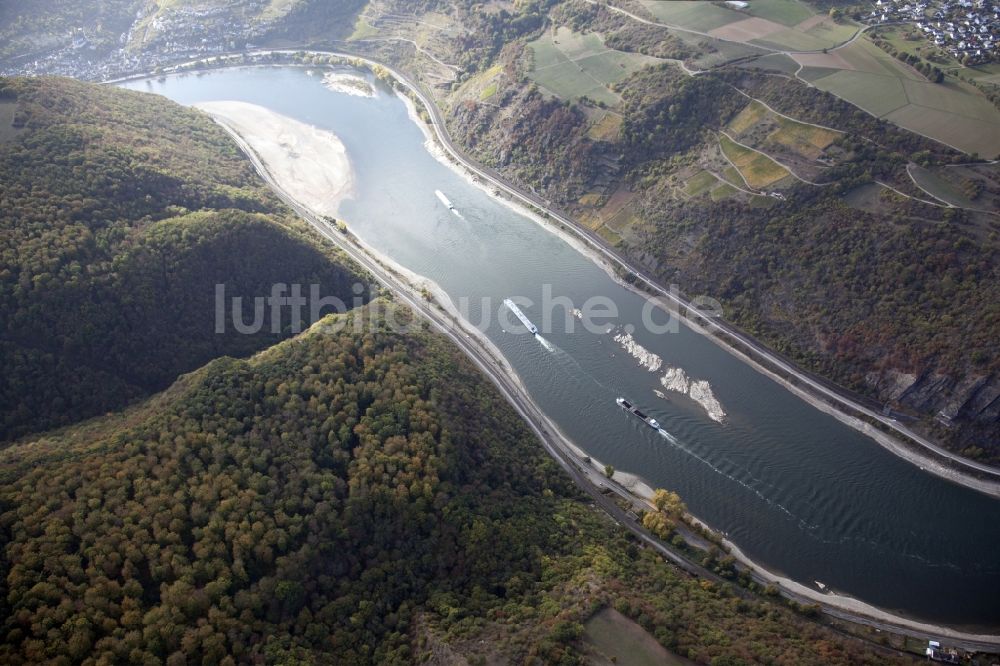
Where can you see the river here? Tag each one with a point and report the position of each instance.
(795, 489)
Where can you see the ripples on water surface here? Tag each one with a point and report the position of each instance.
(794, 488)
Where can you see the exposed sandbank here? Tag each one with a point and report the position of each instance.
(303, 146)
(890, 442)
(287, 180)
(348, 84)
(646, 358)
(310, 164)
(675, 379)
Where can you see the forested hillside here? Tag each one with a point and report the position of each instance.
(893, 299)
(121, 213)
(341, 498)
(829, 255)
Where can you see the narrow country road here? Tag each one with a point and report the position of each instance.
(787, 168)
(561, 449)
(669, 26)
(961, 467)
(533, 201)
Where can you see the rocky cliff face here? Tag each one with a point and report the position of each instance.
(883, 297)
(966, 411)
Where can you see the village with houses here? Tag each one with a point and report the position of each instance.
(154, 40)
(968, 30)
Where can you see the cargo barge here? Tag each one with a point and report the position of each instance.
(520, 315)
(632, 409)
(444, 199)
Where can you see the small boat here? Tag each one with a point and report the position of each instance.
(444, 199)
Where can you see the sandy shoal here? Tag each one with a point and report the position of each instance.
(310, 164)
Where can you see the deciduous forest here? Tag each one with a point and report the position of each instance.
(355, 498)
(348, 495)
(120, 215)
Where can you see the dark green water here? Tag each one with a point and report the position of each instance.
(798, 491)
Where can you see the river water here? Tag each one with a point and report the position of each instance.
(795, 489)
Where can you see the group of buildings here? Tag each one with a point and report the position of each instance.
(102, 66)
(969, 30)
(152, 42)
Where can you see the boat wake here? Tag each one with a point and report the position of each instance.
(778, 505)
(575, 370)
(673, 379)
(572, 367)
(448, 204)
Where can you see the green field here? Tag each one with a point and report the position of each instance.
(920, 47)
(786, 12)
(362, 30)
(865, 197)
(751, 114)
(733, 178)
(609, 235)
(940, 188)
(953, 113)
(757, 169)
(607, 128)
(863, 55)
(954, 184)
(875, 93)
(778, 62)
(950, 97)
(700, 183)
(691, 14)
(612, 638)
(985, 73)
(723, 52)
(277, 8)
(773, 24)
(806, 140)
(481, 86)
(545, 54)
(574, 45)
(723, 191)
(571, 65)
(623, 220)
(824, 35)
(967, 134)
(761, 201)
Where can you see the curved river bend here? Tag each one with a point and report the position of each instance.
(794, 488)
